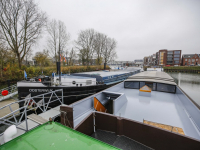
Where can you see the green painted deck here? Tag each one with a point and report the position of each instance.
(55, 136)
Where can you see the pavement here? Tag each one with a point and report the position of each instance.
(6, 110)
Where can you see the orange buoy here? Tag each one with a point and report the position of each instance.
(4, 92)
(40, 80)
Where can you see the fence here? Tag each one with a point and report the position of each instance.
(29, 104)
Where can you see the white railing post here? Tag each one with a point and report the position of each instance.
(26, 119)
(43, 103)
(62, 97)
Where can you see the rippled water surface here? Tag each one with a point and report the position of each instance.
(190, 83)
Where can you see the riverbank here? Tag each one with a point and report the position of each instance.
(184, 69)
(16, 74)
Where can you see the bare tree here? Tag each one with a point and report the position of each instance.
(2, 56)
(85, 44)
(99, 44)
(82, 56)
(109, 52)
(52, 41)
(58, 37)
(72, 56)
(21, 23)
(42, 58)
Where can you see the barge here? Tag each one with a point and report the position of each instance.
(75, 86)
(146, 111)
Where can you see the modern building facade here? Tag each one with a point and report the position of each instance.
(169, 57)
(190, 59)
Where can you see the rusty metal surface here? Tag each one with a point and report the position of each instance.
(87, 125)
(151, 136)
(67, 116)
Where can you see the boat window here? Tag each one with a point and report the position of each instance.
(149, 84)
(166, 88)
(154, 87)
(142, 84)
(131, 85)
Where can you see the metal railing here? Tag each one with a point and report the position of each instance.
(10, 89)
(30, 104)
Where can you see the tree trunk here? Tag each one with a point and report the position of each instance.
(1, 67)
(19, 61)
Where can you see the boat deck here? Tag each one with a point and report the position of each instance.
(121, 142)
(161, 107)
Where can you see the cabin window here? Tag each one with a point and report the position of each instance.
(166, 88)
(149, 84)
(131, 85)
(142, 84)
(154, 87)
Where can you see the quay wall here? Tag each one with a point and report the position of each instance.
(195, 69)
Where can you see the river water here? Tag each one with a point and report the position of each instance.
(190, 83)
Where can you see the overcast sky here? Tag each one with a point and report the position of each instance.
(141, 27)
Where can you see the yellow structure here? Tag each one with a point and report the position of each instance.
(145, 89)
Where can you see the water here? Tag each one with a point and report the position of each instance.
(190, 83)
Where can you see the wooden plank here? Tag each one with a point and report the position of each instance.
(165, 127)
(6, 110)
(37, 119)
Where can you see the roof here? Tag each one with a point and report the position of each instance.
(55, 136)
(189, 55)
(152, 76)
(106, 74)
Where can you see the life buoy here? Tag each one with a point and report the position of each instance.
(40, 80)
(4, 92)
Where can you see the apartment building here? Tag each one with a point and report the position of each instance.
(190, 59)
(169, 57)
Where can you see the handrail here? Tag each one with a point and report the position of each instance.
(42, 105)
(11, 89)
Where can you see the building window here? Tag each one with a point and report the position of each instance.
(188, 60)
(176, 52)
(185, 59)
(176, 58)
(170, 52)
(176, 55)
(169, 59)
(185, 63)
(176, 62)
(196, 59)
(193, 60)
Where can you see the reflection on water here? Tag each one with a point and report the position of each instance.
(190, 83)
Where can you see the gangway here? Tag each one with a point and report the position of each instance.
(25, 122)
(12, 91)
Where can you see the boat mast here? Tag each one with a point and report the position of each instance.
(58, 65)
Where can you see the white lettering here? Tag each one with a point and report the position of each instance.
(40, 90)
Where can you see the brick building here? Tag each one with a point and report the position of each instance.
(190, 59)
(169, 57)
